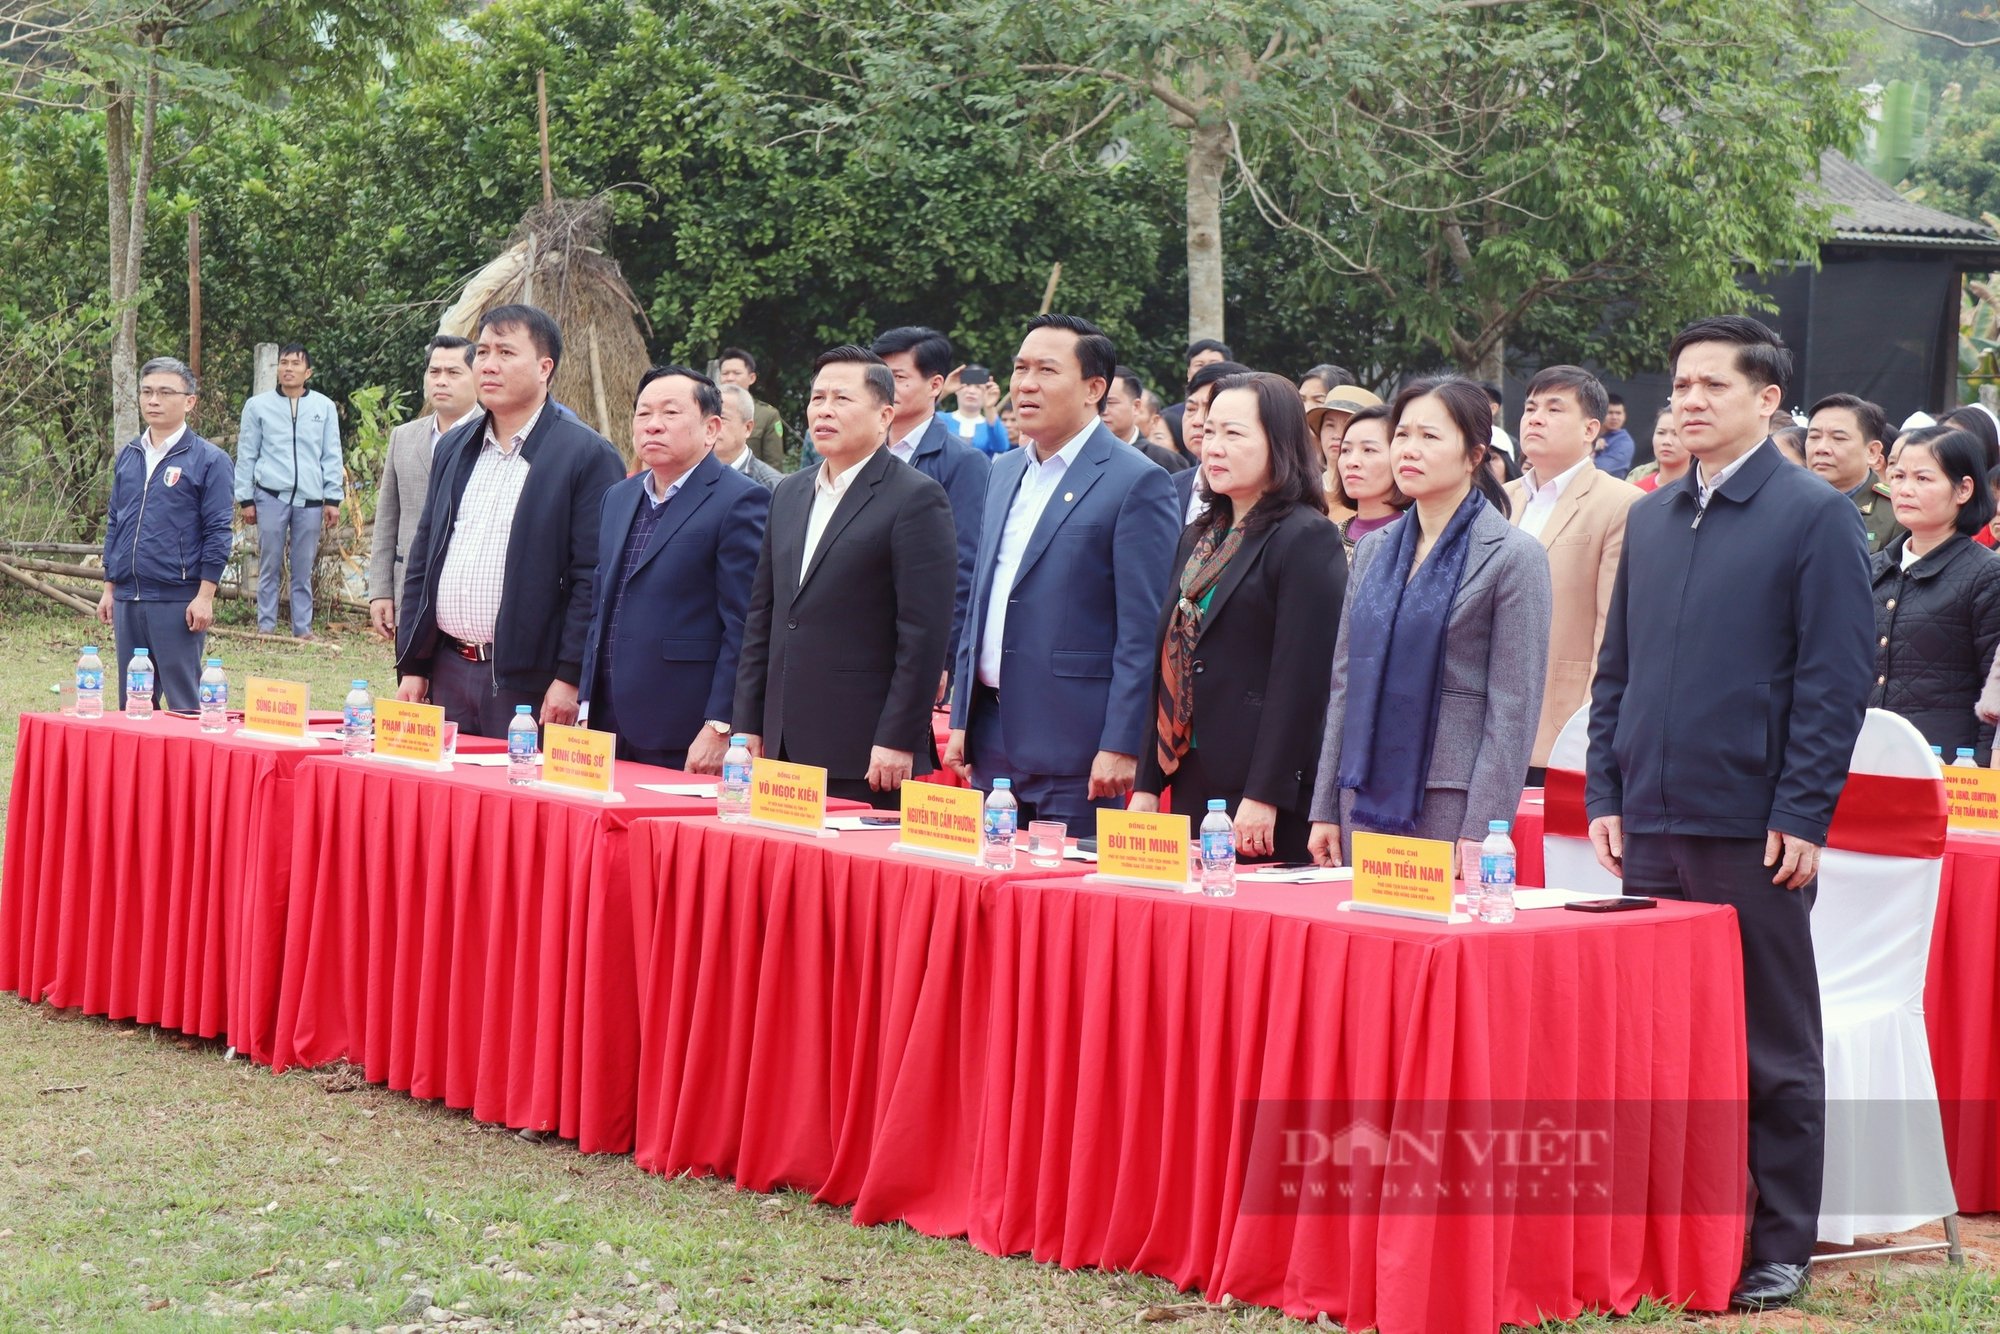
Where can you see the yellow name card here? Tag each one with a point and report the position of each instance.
(1972, 799)
(275, 708)
(1142, 847)
(789, 796)
(942, 820)
(413, 732)
(1407, 877)
(578, 759)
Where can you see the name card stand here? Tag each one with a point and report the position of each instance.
(279, 739)
(276, 711)
(1972, 800)
(403, 762)
(1398, 876)
(789, 797)
(411, 735)
(579, 762)
(1145, 849)
(942, 822)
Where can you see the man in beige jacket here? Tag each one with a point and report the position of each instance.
(406, 472)
(1578, 514)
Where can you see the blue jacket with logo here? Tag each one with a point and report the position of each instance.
(167, 534)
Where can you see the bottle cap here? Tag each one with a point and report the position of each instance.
(1965, 750)
(741, 739)
(1935, 750)
(358, 685)
(1496, 826)
(520, 709)
(1217, 804)
(141, 653)
(215, 662)
(1002, 784)
(92, 648)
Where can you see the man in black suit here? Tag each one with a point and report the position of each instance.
(920, 359)
(1121, 416)
(677, 551)
(851, 611)
(1729, 693)
(1201, 352)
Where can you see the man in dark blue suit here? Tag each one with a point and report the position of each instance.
(1054, 688)
(1729, 693)
(920, 359)
(677, 551)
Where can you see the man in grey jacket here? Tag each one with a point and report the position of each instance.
(406, 472)
(732, 446)
(289, 483)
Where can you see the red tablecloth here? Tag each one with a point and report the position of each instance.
(131, 852)
(814, 1015)
(1961, 1002)
(464, 939)
(1962, 1012)
(1136, 1036)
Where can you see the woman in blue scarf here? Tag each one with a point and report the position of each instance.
(1444, 641)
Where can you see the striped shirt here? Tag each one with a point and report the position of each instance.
(474, 575)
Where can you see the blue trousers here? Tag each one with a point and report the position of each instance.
(283, 528)
(1064, 797)
(161, 629)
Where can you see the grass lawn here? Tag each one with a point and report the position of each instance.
(153, 1185)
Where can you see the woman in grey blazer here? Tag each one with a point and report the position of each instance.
(1443, 646)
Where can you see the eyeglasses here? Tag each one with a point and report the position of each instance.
(163, 393)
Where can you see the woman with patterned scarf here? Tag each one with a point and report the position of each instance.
(1246, 640)
(1437, 678)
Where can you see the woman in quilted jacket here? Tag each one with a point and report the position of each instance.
(1937, 593)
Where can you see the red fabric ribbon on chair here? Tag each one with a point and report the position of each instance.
(1877, 814)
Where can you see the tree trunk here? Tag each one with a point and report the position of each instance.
(1207, 156)
(130, 182)
(1492, 364)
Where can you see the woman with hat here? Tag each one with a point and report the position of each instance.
(1328, 423)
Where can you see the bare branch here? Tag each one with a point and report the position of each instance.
(1907, 26)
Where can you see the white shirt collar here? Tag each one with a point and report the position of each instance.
(1706, 486)
(742, 460)
(519, 437)
(1065, 456)
(907, 446)
(146, 439)
(837, 486)
(651, 481)
(1555, 485)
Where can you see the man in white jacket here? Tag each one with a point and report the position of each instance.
(289, 483)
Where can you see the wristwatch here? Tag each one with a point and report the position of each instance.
(719, 728)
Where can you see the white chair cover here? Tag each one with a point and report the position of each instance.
(1569, 862)
(1871, 928)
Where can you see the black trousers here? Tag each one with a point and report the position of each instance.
(1191, 787)
(468, 696)
(1781, 1007)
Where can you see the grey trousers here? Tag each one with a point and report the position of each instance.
(282, 529)
(161, 629)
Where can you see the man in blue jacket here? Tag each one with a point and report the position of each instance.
(1729, 693)
(288, 483)
(676, 553)
(167, 537)
(920, 359)
(1054, 689)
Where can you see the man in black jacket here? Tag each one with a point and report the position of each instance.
(1728, 697)
(850, 614)
(497, 589)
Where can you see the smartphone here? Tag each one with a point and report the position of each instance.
(1261, 867)
(1636, 903)
(882, 821)
(1086, 845)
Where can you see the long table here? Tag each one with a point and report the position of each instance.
(1098, 1076)
(1961, 1000)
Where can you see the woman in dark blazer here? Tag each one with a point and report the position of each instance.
(1246, 641)
(1937, 592)
(1443, 650)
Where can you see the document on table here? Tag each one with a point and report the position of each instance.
(709, 790)
(493, 761)
(1311, 875)
(1530, 900)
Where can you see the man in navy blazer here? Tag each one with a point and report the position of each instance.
(1054, 689)
(1729, 693)
(920, 359)
(677, 551)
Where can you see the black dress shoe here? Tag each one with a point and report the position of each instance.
(1766, 1284)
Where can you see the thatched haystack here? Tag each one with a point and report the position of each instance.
(555, 259)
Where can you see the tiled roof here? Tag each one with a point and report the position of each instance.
(1867, 209)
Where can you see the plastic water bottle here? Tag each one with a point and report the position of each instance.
(1218, 851)
(1965, 759)
(89, 683)
(213, 694)
(1496, 874)
(357, 721)
(139, 685)
(732, 800)
(523, 741)
(997, 849)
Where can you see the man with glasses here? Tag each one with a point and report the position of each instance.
(289, 483)
(167, 537)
